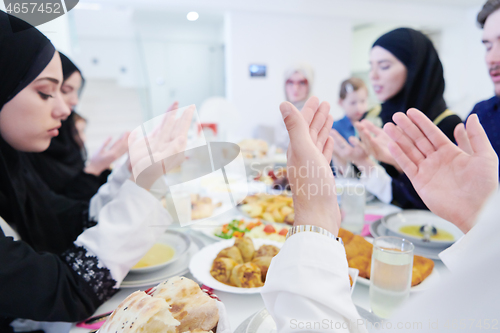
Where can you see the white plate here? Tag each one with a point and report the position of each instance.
(262, 322)
(210, 232)
(180, 267)
(395, 221)
(432, 279)
(377, 229)
(201, 263)
(178, 241)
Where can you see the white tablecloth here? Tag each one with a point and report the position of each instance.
(240, 307)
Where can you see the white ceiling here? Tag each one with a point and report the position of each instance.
(462, 3)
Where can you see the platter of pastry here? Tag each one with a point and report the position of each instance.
(359, 252)
(235, 265)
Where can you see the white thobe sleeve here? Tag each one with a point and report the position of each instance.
(307, 287)
(128, 225)
(109, 190)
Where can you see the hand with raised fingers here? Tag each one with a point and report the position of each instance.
(376, 142)
(352, 151)
(107, 154)
(453, 181)
(308, 169)
(162, 150)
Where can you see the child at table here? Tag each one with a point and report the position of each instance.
(354, 100)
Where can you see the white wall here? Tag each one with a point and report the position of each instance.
(278, 41)
(462, 54)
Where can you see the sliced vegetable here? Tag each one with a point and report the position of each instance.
(283, 232)
(269, 229)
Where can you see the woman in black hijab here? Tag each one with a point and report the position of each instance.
(405, 73)
(62, 166)
(52, 268)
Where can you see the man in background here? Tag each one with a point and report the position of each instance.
(489, 111)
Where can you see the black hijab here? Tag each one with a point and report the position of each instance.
(44, 220)
(424, 86)
(63, 160)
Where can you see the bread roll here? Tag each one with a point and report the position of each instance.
(267, 251)
(188, 304)
(231, 252)
(222, 268)
(246, 247)
(263, 263)
(246, 276)
(139, 313)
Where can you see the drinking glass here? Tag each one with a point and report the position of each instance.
(352, 206)
(390, 277)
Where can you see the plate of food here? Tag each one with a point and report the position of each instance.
(359, 252)
(179, 267)
(171, 246)
(276, 180)
(409, 223)
(235, 266)
(253, 228)
(269, 207)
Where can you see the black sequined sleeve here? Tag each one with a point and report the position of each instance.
(48, 287)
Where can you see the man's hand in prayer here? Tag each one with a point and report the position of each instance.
(454, 182)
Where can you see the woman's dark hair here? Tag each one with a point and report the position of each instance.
(489, 7)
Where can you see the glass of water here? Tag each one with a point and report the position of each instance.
(352, 206)
(390, 277)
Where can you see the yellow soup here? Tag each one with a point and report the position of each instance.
(414, 230)
(158, 254)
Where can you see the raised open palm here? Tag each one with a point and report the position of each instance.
(309, 173)
(454, 182)
(376, 142)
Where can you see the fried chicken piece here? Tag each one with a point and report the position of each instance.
(422, 268)
(358, 246)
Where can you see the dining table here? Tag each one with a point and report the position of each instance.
(241, 307)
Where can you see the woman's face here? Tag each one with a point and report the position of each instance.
(32, 118)
(387, 73)
(70, 89)
(297, 88)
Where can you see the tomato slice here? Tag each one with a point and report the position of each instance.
(269, 229)
(283, 232)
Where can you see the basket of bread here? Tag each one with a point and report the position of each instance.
(176, 305)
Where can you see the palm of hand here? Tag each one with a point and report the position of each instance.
(446, 171)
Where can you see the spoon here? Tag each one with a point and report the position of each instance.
(428, 231)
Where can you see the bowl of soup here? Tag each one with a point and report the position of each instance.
(170, 247)
(407, 223)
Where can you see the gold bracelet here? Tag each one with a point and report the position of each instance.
(312, 228)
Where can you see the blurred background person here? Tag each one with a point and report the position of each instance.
(405, 72)
(353, 98)
(299, 81)
(487, 111)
